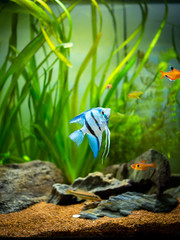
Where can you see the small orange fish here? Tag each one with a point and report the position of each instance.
(109, 86)
(143, 165)
(172, 75)
(135, 94)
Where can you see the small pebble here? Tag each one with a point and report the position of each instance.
(76, 215)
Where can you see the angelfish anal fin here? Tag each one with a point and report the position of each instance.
(93, 142)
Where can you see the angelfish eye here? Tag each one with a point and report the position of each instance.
(137, 165)
(102, 112)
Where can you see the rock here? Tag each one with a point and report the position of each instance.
(59, 196)
(174, 180)
(147, 181)
(174, 186)
(174, 192)
(102, 185)
(122, 205)
(22, 185)
(97, 183)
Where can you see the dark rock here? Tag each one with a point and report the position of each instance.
(174, 180)
(92, 181)
(22, 185)
(102, 185)
(147, 181)
(96, 183)
(173, 186)
(112, 170)
(174, 192)
(122, 205)
(59, 196)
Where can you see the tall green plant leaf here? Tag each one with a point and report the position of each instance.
(79, 73)
(152, 44)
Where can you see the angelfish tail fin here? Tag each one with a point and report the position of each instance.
(77, 137)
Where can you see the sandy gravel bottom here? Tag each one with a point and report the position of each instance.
(49, 220)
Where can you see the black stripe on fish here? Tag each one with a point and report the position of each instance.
(92, 115)
(92, 132)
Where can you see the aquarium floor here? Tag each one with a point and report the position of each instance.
(48, 220)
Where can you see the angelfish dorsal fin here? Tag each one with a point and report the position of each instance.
(78, 119)
(143, 161)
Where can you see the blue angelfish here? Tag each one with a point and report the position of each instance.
(94, 122)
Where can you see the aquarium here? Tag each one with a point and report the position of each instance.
(59, 59)
(89, 118)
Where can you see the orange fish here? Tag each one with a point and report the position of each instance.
(143, 165)
(109, 86)
(135, 94)
(172, 75)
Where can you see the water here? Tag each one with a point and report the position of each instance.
(82, 42)
(82, 33)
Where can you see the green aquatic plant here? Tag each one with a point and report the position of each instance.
(114, 78)
(154, 117)
(27, 82)
(15, 138)
(126, 135)
(152, 113)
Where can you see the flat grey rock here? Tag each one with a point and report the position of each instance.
(122, 205)
(96, 183)
(102, 185)
(174, 192)
(58, 195)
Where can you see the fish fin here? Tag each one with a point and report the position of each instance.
(100, 140)
(143, 161)
(107, 146)
(78, 119)
(82, 190)
(79, 199)
(77, 137)
(153, 165)
(93, 142)
(68, 191)
(170, 79)
(162, 74)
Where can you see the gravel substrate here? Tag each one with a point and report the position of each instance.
(49, 220)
